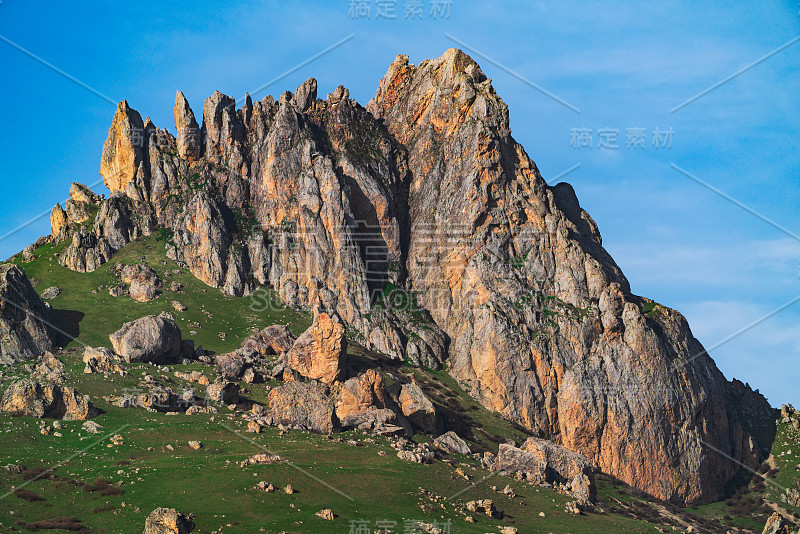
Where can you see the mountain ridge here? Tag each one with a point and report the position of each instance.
(489, 270)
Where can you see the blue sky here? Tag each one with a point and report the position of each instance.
(624, 66)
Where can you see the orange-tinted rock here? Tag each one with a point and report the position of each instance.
(319, 352)
(365, 392)
(58, 219)
(189, 138)
(122, 151)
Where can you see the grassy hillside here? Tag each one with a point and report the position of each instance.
(91, 317)
(97, 486)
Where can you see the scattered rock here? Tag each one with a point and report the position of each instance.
(196, 445)
(178, 306)
(484, 506)
(264, 486)
(168, 521)
(326, 513)
(261, 458)
(51, 293)
(289, 489)
(91, 427)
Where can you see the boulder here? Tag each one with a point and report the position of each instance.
(416, 406)
(223, 391)
(319, 352)
(365, 392)
(143, 280)
(232, 365)
(303, 405)
(275, 339)
(375, 419)
(30, 398)
(24, 329)
(50, 369)
(102, 360)
(51, 292)
(168, 521)
(541, 460)
(152, 338)
(452, 443)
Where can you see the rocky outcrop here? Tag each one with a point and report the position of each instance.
(361, 394)
(189, 139)
(302, 405)
(123, 150)
(319, 353)
(103, 360)
(168, 521)
(275, 339)
(544, 461)
(143, 280)
(418, 408)
(30, 398)
(152, 338)
(427, 229)
(98, 228)
(82, 194)
(58, 219)
(544, 327)
(24, 330)
(49, 369)
(776, 524)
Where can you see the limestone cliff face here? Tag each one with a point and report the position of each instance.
(544, 326)
(428, 231)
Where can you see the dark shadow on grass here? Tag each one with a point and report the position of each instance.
(68, 323)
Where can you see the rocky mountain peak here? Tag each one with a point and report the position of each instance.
(421, 223)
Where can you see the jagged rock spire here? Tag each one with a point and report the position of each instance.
(187, 131)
